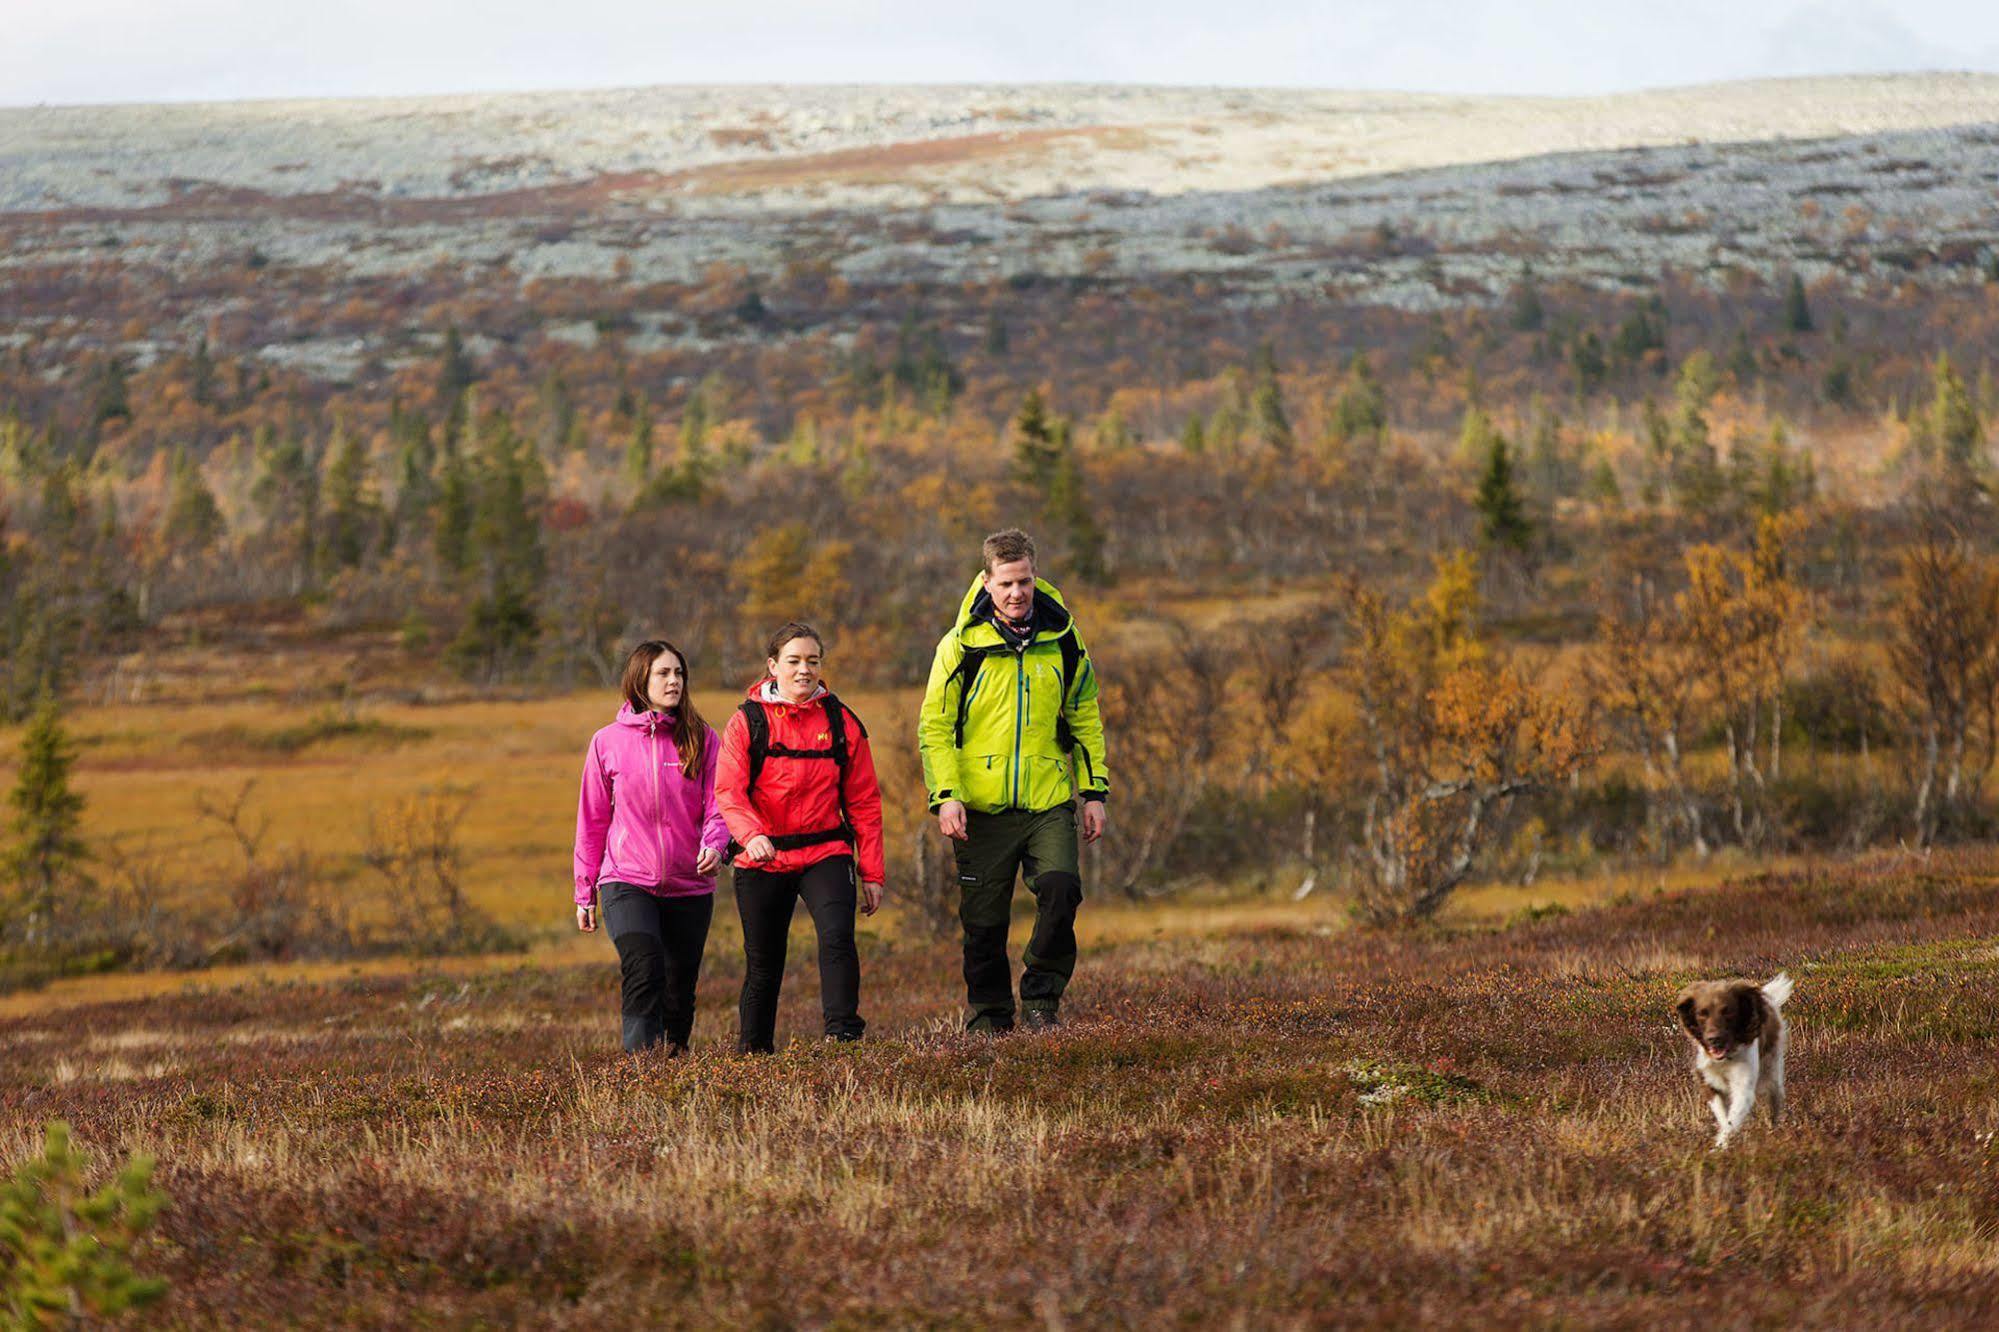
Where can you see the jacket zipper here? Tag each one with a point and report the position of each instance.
(1019, 719)
(658, 801)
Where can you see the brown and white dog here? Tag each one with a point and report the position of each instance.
(1739, 1035)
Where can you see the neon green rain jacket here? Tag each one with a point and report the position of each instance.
(1031, 739)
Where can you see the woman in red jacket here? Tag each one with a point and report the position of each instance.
(796, 783)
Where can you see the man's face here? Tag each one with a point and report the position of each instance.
(1012, 589)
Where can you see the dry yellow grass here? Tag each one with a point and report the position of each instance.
(142, 769)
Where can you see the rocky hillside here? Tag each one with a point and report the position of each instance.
(1411, 201)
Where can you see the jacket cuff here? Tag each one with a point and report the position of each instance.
(937, 800)
(1098, 796)
(586, 894)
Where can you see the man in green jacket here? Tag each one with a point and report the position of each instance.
(1010, 734)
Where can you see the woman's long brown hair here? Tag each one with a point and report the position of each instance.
(690, 732)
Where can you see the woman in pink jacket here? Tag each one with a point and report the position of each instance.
(648, 840)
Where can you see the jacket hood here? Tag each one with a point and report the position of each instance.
(644, 720)
(1050, 616)
(765, 691)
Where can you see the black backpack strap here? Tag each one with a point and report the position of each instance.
(967, 673)
(837, 749)
(837, 714)
(836, 729)
(758, 727)
(758, 723)
(1072, 657)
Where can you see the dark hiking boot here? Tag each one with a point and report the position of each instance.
(1040, 1019)
(985, 1024)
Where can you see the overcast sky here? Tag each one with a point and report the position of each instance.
(61, 51)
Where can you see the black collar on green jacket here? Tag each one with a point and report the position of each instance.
(1048, 615)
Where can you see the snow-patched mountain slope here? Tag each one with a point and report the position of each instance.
(817, 147)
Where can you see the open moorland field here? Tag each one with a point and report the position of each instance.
(1253, 1127)
(1562, 527)
(322, 773)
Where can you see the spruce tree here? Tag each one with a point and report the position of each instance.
(557, 431)
(416, 486)
(64, 509)
(1602, 486)
(1658, 432)
(1840, 385)
(923, 365)
(1504, 516)
(48, 846)
(1549, 464)
(1697, 478)
(695, 419)
(455, 371)
(1586, 360)
(1069, 508)
(454, 511)
(66, 1252)
(1742, 360)
(352, 510)
(1954, 423)
(506, 521)
(1780, 483)
(287, 493)
(1642, 331)
(505, 555)
(1231, 415)
(1361, 410)
(1525, 312)
(111, 399)
(201, 374)
(1035, 451)
(1193, 435)
(1270, 421)
(193, 520)
(36, 636)
(1797, 309)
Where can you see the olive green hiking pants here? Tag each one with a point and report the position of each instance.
(1041, 847)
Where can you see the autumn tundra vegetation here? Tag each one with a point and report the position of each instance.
(1570, 600)
(1390, 601)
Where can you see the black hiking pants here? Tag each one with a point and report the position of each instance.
(1040, 847)
(766, 902)
(659, 943)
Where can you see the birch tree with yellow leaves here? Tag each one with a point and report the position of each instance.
(1743, 617)
(1641, 671)
(1452, 736)
(1944, 649)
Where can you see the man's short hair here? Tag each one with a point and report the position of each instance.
(1006, 547)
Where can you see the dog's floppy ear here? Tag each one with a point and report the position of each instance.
(1747, 999)
(1685, 1008)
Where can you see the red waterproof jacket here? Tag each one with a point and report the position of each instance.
(801, 795)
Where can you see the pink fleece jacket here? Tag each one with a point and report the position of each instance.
(639, 819)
